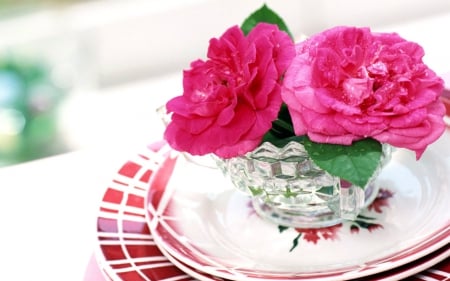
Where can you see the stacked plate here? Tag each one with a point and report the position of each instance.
(166, 218)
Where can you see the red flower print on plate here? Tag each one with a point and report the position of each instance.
(368, 222)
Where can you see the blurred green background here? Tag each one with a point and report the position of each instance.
(28, 110)
(29, 93)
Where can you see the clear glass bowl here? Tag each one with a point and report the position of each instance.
(287, 188)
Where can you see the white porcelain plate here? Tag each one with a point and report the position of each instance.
(202, 221)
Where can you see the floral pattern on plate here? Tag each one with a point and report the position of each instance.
(363, 221)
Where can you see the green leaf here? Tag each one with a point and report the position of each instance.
(355, 163)
(282, 131)
(295, 242)
(282, 228)
(288, 193)
(255, 190)
(264, 14)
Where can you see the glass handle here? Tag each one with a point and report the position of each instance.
(351, 201)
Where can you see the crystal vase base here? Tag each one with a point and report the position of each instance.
(329, 213)
(323, 217)
(289, 189)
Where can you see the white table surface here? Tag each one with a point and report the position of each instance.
(48, 214)
(48, 207)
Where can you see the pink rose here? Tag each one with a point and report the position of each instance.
(230, 100)
(347, 84)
